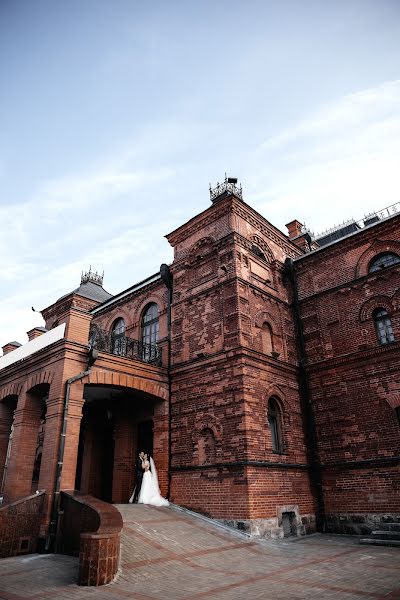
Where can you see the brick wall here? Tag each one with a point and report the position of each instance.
(354, 381)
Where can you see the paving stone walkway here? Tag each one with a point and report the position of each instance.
(172, 555)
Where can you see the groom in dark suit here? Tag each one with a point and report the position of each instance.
(138, 476)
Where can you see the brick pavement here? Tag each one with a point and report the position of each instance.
(170, 555)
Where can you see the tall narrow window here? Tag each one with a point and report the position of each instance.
(150, 324)
(150, 332)
(383, 326)
(118, 337)
(274, 420)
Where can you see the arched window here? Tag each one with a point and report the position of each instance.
(257, 252)
(118, 336)
(150, 324)
(383, 326)
(386, 259)
(275, 420)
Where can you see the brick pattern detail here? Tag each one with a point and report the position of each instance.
(19, 525)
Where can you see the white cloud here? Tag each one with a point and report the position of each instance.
(342, 161)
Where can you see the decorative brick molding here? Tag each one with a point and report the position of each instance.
(37, 379)
(12, 389)
(373, 303)
(377, 247)
(120, 379)
(393, 400)
(262, 244)
(91, 529)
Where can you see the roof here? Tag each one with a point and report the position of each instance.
(93, 291)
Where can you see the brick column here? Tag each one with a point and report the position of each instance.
(124, 458)
(74, 417)
(55, 403)
(22, 456)
(160, 444)
(6, 419)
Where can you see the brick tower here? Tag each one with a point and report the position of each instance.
(238, 444)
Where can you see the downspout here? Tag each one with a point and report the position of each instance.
(166, 276)
(51, 539)
(307, 402)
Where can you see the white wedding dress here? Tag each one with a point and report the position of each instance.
(150, 492)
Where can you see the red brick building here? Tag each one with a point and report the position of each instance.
(259, 369)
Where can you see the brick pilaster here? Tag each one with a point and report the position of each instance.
(6, 419)
(74, 417)
(22, 456)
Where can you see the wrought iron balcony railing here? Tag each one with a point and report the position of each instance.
(120, 345)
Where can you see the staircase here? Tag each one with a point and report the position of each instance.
(388, 535)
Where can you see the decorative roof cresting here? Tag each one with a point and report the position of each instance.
(226, 188)
(91, 276)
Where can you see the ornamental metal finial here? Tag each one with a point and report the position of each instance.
(91, 276)
(227, 188)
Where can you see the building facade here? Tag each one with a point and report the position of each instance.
(259, 369)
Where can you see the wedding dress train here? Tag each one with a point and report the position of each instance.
(150, 492)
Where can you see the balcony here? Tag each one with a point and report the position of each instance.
(120, 345)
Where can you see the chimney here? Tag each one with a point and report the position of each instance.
(294, 229)
(10, 347)
(35, 332)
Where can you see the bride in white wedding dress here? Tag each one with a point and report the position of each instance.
(150, 492)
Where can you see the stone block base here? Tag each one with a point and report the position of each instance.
(288, 523)
(358, 523)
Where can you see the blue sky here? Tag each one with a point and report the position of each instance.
(115, 116)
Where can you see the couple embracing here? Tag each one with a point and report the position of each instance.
(146, 490)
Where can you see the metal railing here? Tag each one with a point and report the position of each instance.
(120, 345)
(366, 221)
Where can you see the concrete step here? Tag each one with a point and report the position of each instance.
(378, 542)
(385, 535)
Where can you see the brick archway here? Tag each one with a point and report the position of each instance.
(38, 379)
(97, 377)
(12, 389)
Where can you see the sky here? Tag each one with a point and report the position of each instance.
(116, 116)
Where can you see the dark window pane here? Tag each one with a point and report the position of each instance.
(383, 326)
(118, 337)
(383, 260)
(274, 421)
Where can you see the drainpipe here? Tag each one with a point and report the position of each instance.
(51, 538)
(306, 401)
(166, 276)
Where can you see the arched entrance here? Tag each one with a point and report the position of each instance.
(117, 423)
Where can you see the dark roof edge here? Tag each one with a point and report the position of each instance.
(133, 288)
(345, 237)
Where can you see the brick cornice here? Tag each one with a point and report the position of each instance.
(238, 207)
(363, 463)
(370, 353)
(354, 283)
(264, 464)
(240, 352)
